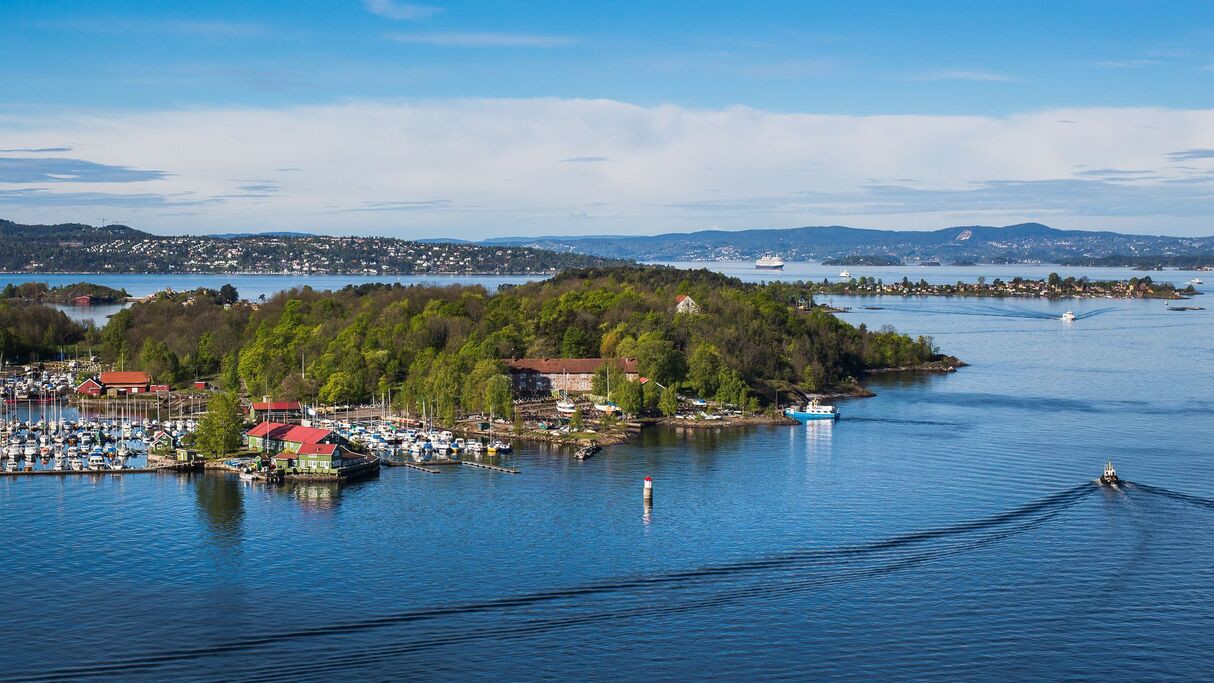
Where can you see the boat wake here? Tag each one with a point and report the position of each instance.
(991, 311)
(1174, 495)
(800, 571)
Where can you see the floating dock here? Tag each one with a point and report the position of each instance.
(415, 466)
(183, 467)
(495, 468)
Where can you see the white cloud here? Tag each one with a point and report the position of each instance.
(475, 168)
(404, 11)
(966, 75)
(481, 39)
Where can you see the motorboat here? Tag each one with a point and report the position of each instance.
(1067, 317)
(566, 407)
(845, 274)
(814, 410)
(1109, 477)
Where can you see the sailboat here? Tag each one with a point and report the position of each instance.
(607, 406)
(565, 406)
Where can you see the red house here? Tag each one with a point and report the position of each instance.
(90, 387)
(133, 382)
(275, 409)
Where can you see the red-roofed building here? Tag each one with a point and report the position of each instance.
(130, 382)
(275, 436)
(312, 457)
(90, 387)
(685, 304)
(541, 375)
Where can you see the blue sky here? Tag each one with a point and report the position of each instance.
(427, 119)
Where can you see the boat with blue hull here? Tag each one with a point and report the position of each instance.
(812, 411)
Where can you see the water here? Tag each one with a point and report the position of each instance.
(946, 529)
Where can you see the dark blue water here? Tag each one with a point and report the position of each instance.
(945, 529)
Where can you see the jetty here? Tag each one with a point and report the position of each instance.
(495, 468)
(176, 467)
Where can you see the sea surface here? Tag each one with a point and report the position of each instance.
(946, 529)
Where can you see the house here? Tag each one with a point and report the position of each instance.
(83, 300)
(90, 387)
(202, 385)
(277, 437)
(275, 409)
(544, 375)
(685, 304)
(314, 457)
(159, 389)
(131, 382)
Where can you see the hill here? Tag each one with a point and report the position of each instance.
(79, 248)
(1024, 242)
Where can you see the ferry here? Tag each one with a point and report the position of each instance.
(812, 411)
(1069, 316)
(1109, 478)
(770, 262)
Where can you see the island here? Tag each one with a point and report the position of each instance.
(1053, 287)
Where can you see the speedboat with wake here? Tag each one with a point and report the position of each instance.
(1068, 317)
(1109, 477)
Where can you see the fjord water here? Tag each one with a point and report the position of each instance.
(947, 528)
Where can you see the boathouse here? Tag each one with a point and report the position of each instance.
(130, 382)
(90, 387)
(275, 437)
(312, 457)
(543, 375)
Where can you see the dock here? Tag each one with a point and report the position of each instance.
(495, 468)
(182, 467)
(414, 466)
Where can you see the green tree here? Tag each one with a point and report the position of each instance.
(704, 370)
(231, 373)
(629, 397)
(228, 295)
(575, 420)
(338, 390)
(669, 403)
(497, 396)
(219, 431)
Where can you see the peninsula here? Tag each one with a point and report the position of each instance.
(1052, 287)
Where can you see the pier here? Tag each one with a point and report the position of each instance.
(495, 468)
(178, 467)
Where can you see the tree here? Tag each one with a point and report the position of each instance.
(231, 373)
(704, 370)
(497, 396)
(159, 361)
(219, 431)
(669, 403)
(228, 295)
(575, 420)
(629, 397)
(599, 383)
(339, 389)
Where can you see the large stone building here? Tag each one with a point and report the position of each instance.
(574, 375)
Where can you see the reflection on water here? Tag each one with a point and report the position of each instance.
(221, 507)
(819, 439)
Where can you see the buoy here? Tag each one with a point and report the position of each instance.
(648, 489)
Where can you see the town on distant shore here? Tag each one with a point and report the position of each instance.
(1052, 287)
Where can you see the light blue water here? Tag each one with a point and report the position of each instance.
(945, 529)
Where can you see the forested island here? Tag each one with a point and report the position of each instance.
(1054, 286)
(77, 248)
(80, 292)
(744, 344)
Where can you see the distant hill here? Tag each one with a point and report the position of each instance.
(79, 248)
(1024, 242)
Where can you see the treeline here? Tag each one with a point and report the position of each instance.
(41, 291)
(443, 346)
(32, 331)
(1150, 262)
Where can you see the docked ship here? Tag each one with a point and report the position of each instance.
(812, 411)
(770, 262)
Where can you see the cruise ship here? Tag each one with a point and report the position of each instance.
(770, 262)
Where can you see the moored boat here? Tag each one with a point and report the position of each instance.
(812, 411)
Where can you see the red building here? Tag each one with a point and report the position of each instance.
(270, 410)
(131, 382)
(90, 387)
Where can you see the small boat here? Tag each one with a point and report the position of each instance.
(845, 274)
(812, 411)
(499, 447)
(586, 452)
(1109, 477)
(1196, 281)
(770, 262)
(11, 465)
(97, 462)
(1069, 316)
(566, 407)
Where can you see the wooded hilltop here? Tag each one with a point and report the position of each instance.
(444, 345)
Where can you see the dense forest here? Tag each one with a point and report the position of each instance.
(41, 291)
(32, 331)
(444, 345)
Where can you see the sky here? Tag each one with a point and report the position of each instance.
(487, 119)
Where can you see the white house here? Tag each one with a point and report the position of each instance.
(685, 304)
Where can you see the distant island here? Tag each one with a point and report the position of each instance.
(81, 293)
(1021, 243)
(78, 248)
(1052, 287)
(864, 260)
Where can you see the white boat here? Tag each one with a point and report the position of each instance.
(1109, 477)
(1069, 316)
(845, 274)
(770, 262)
(1196, 281)
(607, 407)
(97, 462)
(499, 447)
(566, 407)
(812, 411)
